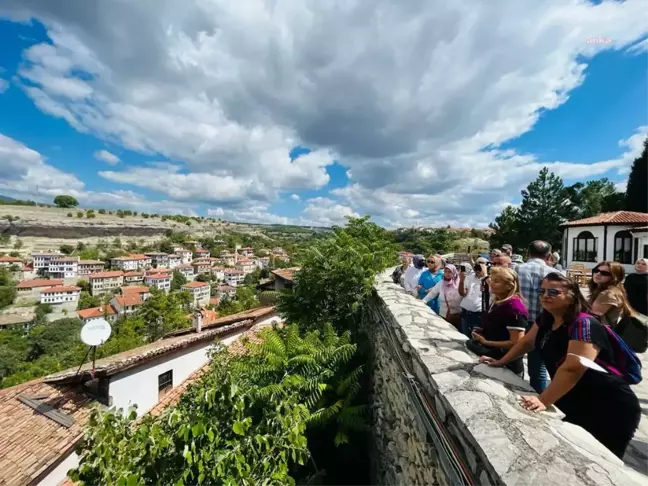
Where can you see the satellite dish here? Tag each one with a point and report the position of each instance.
(95, 332)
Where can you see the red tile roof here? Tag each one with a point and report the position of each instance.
(96, 311)
(116, 273)
(211, 318)
(286, 273)
(91, 262)
(157, 276)
(61, 289)
(65, 259)
(31, 443)
(39, 282)
(214, 300)
(195, 285)
(135, 289)
(10, 259)
(133, 274)
(618, 217)
(129, 299)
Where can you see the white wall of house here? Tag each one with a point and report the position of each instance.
(603, 243)
(139, 385)
(69, 296)
(59, 473)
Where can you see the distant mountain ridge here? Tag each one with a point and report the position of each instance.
(6, 198)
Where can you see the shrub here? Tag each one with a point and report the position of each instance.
(79, 214)
(102, 211)
(69, 215)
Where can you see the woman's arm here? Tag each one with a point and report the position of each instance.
(462, 279)
(514, 336)
(520, 348)
(569, 372)
(434, 293)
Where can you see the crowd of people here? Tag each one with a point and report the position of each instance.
(581, 351)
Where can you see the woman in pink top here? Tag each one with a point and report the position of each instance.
(447, 290)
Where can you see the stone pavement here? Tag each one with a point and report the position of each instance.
(473, 406)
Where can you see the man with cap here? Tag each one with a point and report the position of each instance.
(507, 249)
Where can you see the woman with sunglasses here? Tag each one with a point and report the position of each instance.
(607, 296)
(429, 278)
(570, 340)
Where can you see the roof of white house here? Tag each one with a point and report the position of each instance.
(617, 217)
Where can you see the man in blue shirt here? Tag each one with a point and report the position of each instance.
(531, 274)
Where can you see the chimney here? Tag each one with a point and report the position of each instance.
(197, 320)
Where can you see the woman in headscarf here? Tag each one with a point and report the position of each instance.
(398, 274)
(446, 291)
(636, 286)
(429, 278)
(413, 273)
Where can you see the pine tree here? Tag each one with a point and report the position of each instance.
(545, 206)
(506, 228)
(637, 191)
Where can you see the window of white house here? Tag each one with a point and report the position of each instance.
(165, 383)
(585, 247)
(623, 247)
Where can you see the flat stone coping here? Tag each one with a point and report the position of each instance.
(521, 447)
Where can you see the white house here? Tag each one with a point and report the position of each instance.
(42, 259)
(161, 281)
(218, 272)
(228, 258)
(174, 261)
(186, 256)
(246, 251)
(126, 303)
(200, 291)
(246, 265)
(263, 262)
(226, 291)
(187, 270)
(48, 415)
(102, 312)
(61, 295)
(131, 262)
(86, 267)
(158, 259)
(103, 282)
(202, 253)
(64, 267)
(620, 236)
(234, 277)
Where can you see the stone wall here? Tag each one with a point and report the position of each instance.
(441, 418)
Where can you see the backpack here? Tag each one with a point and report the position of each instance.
(626, 362)
(634, 331)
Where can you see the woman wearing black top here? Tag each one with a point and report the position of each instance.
(636, 287)
(570, 341)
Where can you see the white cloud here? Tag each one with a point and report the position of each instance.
(4, 85)
(326, 212)
(295, 197)
(414, 99)
(107, 157)
(25, 174)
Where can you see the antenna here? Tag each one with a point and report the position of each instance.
(94, 333)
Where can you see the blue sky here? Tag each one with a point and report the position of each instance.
(410, 153)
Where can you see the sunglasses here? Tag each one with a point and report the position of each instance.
(550, 292)
(602, 272)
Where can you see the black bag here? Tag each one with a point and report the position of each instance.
(634, 332)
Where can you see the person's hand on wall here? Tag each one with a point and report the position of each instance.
(533, 404)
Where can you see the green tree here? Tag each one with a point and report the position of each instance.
(87, 301)
(178, 280)
(545, 206)
(89, 254)
(67, 249)
(63, 201)
(18, 244)
(79, 214)
(162, 313)
(7, 288)
(595, 197)
(337, 276)
(249, 421)
(166, 246)
(253, 277)
(637, 190)
(506, 227)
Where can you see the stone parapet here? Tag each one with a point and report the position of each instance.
(441, 418)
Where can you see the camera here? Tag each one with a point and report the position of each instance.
(462, 268)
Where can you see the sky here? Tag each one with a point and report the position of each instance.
(418, 113)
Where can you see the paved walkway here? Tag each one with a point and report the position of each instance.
(637, 454)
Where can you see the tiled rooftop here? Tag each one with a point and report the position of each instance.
(96, 311)
(286, 273)
(116, 273)
(618, 217)
(61, 288)
(39, 282)
(195, 285)
(30, 442)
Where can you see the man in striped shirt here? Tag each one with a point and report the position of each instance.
(531, 274)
